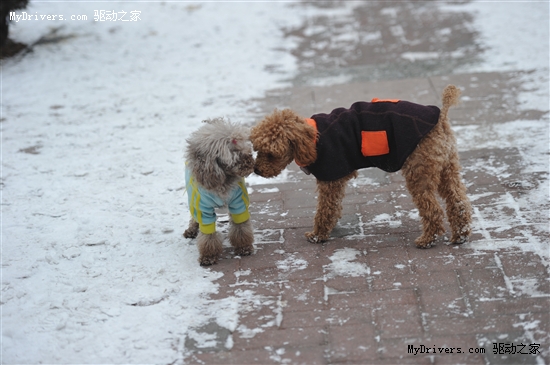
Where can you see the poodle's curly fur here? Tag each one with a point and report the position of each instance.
(219, 155)
(433, 167)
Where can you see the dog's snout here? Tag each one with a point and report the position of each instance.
(248, 161)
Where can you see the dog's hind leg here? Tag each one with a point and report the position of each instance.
(459, 210)
(422, 183)
(431, 215)
(329, 207)
(241, 237)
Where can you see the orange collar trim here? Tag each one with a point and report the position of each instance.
(311, 123)
(376, 100)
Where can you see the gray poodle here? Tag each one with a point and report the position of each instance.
(218, 157)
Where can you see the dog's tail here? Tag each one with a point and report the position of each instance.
(451, 97)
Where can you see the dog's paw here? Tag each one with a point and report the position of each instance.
(425, 242)
(313, 238)
(244, 250)
(458, 240)
(190, 233)
(208, 260)
(425, 245)
(193, 230)
(461, 236)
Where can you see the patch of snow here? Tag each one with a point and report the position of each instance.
(385, 218)
(330, 80)
(242, 273)
(415, 56)
(291, 263)
(268, 190)
(343, 264)
(533, 146)
(529, 20)
(93, 132)
(283, 177)
(423, 56)
(267, 236)
(532, 142)
(246, 332)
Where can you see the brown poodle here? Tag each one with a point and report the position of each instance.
(389, 134)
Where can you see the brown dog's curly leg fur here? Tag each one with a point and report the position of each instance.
(459, 210)
(241, 237)
(430, 212)
(422, 172)
(329, 207)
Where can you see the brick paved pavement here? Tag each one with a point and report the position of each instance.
(368, 295)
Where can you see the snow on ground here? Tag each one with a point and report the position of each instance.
(515, 36)
(343, 264)
(529, 23)
(93, 129)
(94, 267)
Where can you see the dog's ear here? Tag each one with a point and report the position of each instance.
(203, 162)
(270, 138)
(208, 172)
(303, 144)
(285, 131)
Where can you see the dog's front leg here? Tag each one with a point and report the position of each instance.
(329, 208)
(241, 237)
(210, 248)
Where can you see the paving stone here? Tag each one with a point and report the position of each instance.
(390, 268)
(352, 343)
(296, 305)
(440, 292)
(300, 198)
(217, 338)
(346, 284)
(265, 256)
(398, 320)
(303, 295)
(281, 337)
(303, 265)
(524, 273)
(397, 240)
(236, 357)
(448, 258)
(306, 318)
(373, 299)
(315, 355)
(448, 324)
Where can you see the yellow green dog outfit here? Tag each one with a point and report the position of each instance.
(203, 203)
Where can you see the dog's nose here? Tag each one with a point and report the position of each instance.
(257, 171)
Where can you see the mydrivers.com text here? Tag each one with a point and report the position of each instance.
(498, 349)
(98, 16)
(422, 349)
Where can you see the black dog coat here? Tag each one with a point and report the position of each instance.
(382, 133)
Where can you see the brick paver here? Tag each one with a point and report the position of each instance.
(369, 296)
